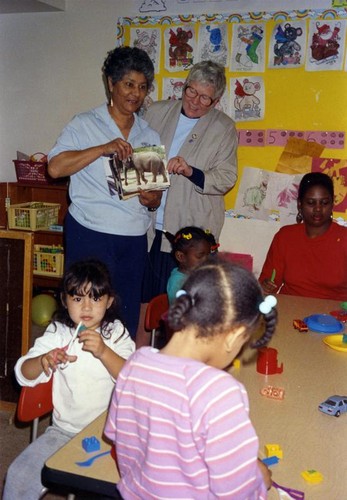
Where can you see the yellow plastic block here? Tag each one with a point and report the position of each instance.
(273, 450)
(312, 476)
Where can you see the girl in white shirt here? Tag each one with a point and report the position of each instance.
(84, 368)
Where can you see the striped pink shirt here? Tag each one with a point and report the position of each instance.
(182, 430)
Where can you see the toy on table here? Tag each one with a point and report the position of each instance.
(312, 476)
(335, 405)
(272, 392)
(300, 325)
(270, 461)
(337, 342)
(267, 361)
(273, 450)
(323, 323)
(290, 492)
(90, 444)
(90, 461)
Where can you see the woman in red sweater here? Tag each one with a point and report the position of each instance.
(309, 258)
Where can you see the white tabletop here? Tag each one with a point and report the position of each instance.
(312, 371)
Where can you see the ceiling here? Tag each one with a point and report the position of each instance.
(20, 6)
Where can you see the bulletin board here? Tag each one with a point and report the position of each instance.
(296, 102)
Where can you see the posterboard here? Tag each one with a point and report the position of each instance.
(298, 93)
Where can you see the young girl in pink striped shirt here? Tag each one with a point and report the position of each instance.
(179, 421)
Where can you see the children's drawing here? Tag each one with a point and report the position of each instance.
(173, 88)
(180, 48)
(153, 6)
(337, 170)
(251, 194)
(287, 46)
(326, 45)
(213, 43)
(147, 39)
(248, 98)
(248, 45)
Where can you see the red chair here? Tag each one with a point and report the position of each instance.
(35, 402)
(154, 314)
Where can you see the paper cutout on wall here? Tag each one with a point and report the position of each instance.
(297, 155)
(251, 138)
(180, 48)
(149, 99)
(173, 88)
(248, 98)
(147, 39)
(288, 45)
(268, 195)
(213, 43)
(337, 170)
(248, 48)
(326, 45)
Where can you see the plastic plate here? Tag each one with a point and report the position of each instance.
(324, 323)
(336, 342)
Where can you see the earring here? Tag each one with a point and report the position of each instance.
(111, 102)
(299, 217)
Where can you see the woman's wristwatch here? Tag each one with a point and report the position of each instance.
(152, 209)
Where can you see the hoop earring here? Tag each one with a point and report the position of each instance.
(299, 217)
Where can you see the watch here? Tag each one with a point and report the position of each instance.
(152, 209)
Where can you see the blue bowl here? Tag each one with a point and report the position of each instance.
(323, 323)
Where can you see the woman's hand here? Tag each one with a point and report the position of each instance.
(178, 165)
(269, 287)
(266, 473)
(119, 146)
(52, 359)
(150, 199)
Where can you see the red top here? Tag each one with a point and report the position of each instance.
(309, 267)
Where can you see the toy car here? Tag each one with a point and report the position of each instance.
(300, 325)
(335, 405)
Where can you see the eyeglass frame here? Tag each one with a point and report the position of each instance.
(198, 95)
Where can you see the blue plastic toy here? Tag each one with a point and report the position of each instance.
(91, 444)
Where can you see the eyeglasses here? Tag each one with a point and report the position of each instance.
(204, 100)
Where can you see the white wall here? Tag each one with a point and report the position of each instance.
(50, 65)
(50, 69)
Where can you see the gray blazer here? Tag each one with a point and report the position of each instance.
(211, 147)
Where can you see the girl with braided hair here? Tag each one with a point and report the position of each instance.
(179, 421)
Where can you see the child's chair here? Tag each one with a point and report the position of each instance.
(35, 402)
(154, 312)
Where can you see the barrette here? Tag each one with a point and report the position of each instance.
(268, 303)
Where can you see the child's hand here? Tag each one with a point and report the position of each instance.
(92, 342)
(266, 472)
(52, 359)
(269, 286)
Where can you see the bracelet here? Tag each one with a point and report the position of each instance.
(152, 209)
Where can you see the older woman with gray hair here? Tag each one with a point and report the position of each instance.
(201, 146)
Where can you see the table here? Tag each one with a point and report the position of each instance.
(309, 439)
(312, 372)
(101, 477)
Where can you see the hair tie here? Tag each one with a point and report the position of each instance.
(179, 293)
(268, 303)
(187, 236)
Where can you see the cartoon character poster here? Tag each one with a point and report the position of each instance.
(147, 39)
(180, 48)
(150, 98)
(247, 98)
(288, 45)
(173, 88)
(213, 43)
(248, 48)
(326, 45)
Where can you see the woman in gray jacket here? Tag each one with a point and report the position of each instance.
(201, 146)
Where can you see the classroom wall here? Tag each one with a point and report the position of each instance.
(50, 69)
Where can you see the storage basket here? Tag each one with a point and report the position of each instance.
(33, 171)
(48, 260)
(32, 216)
